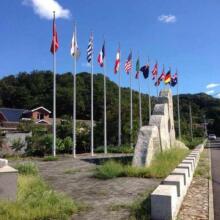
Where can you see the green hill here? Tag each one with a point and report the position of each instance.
(28, 90)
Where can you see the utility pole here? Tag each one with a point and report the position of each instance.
(190, 117)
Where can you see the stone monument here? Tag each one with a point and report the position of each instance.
(159, 135)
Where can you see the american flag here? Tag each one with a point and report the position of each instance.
(128, 64)
(90, 49)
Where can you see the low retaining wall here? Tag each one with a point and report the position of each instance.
(167, 198)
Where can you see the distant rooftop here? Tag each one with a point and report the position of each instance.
(12, 114)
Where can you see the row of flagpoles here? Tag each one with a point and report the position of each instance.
(167, 78)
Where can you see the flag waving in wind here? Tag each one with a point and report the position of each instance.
(174, 80)
(155, 71)
(90, 49)
(161, 78)
(137, 68)
(128, 64)
(145, 70)
(74, 51)
(54, 45)
(117, 61)
(167, 78)
(101, 56)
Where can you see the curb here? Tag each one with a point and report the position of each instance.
(211, 208)
(167, 198)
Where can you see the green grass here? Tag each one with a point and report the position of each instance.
(50, 158)
(203, 167)
(36, 200)
(191, 144)
(27, 168)
(160, 167)
(116, 149)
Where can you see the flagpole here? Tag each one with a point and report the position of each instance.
(92, 105)
(54, 94)
(105, 116)
(119, 103)
(157, 82)
(74, 96)
(131, 111)
(140, 104)
(149, 98)
(178, 107)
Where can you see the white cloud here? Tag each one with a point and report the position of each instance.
(210, 92)
(217, 95)
(167, 18)
(45, 8)
(212, 85)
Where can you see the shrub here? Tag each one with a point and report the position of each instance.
(18, 144)
(109, 170)
(27, 168)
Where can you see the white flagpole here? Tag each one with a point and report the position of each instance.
(54, 94)
(157, 82)
(119, 103)
(149, 98)
(178, 107)
(131, 111)
(92, 106)
(74, 95)
(105, 116)
(140, 104)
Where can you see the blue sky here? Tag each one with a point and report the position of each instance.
(183, 34)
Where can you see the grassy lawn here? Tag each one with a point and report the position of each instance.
(161, 166)
(35, 199)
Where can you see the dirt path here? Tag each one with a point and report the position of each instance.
(99, 195)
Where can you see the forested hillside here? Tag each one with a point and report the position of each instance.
(28, 90)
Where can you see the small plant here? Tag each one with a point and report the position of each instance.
(50, 158)
(71, 171)
(109, 170)
(116, 149)
(18, 144)
(27, 169)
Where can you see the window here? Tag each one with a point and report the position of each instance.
(41, 116)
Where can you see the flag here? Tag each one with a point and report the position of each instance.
(174, 80)
(155, 71)
(117, 61)
(128, 64)
(55, 44)
(74, 50)
(137, 68)
(161, 78)
(90, 49)
(167, 78)
(145, 70)
(101, 56)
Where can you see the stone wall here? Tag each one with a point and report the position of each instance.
(159, 135)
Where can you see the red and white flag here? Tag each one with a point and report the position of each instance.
(117, 62)
(54, 44)
(101, 56)
(155, 71)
